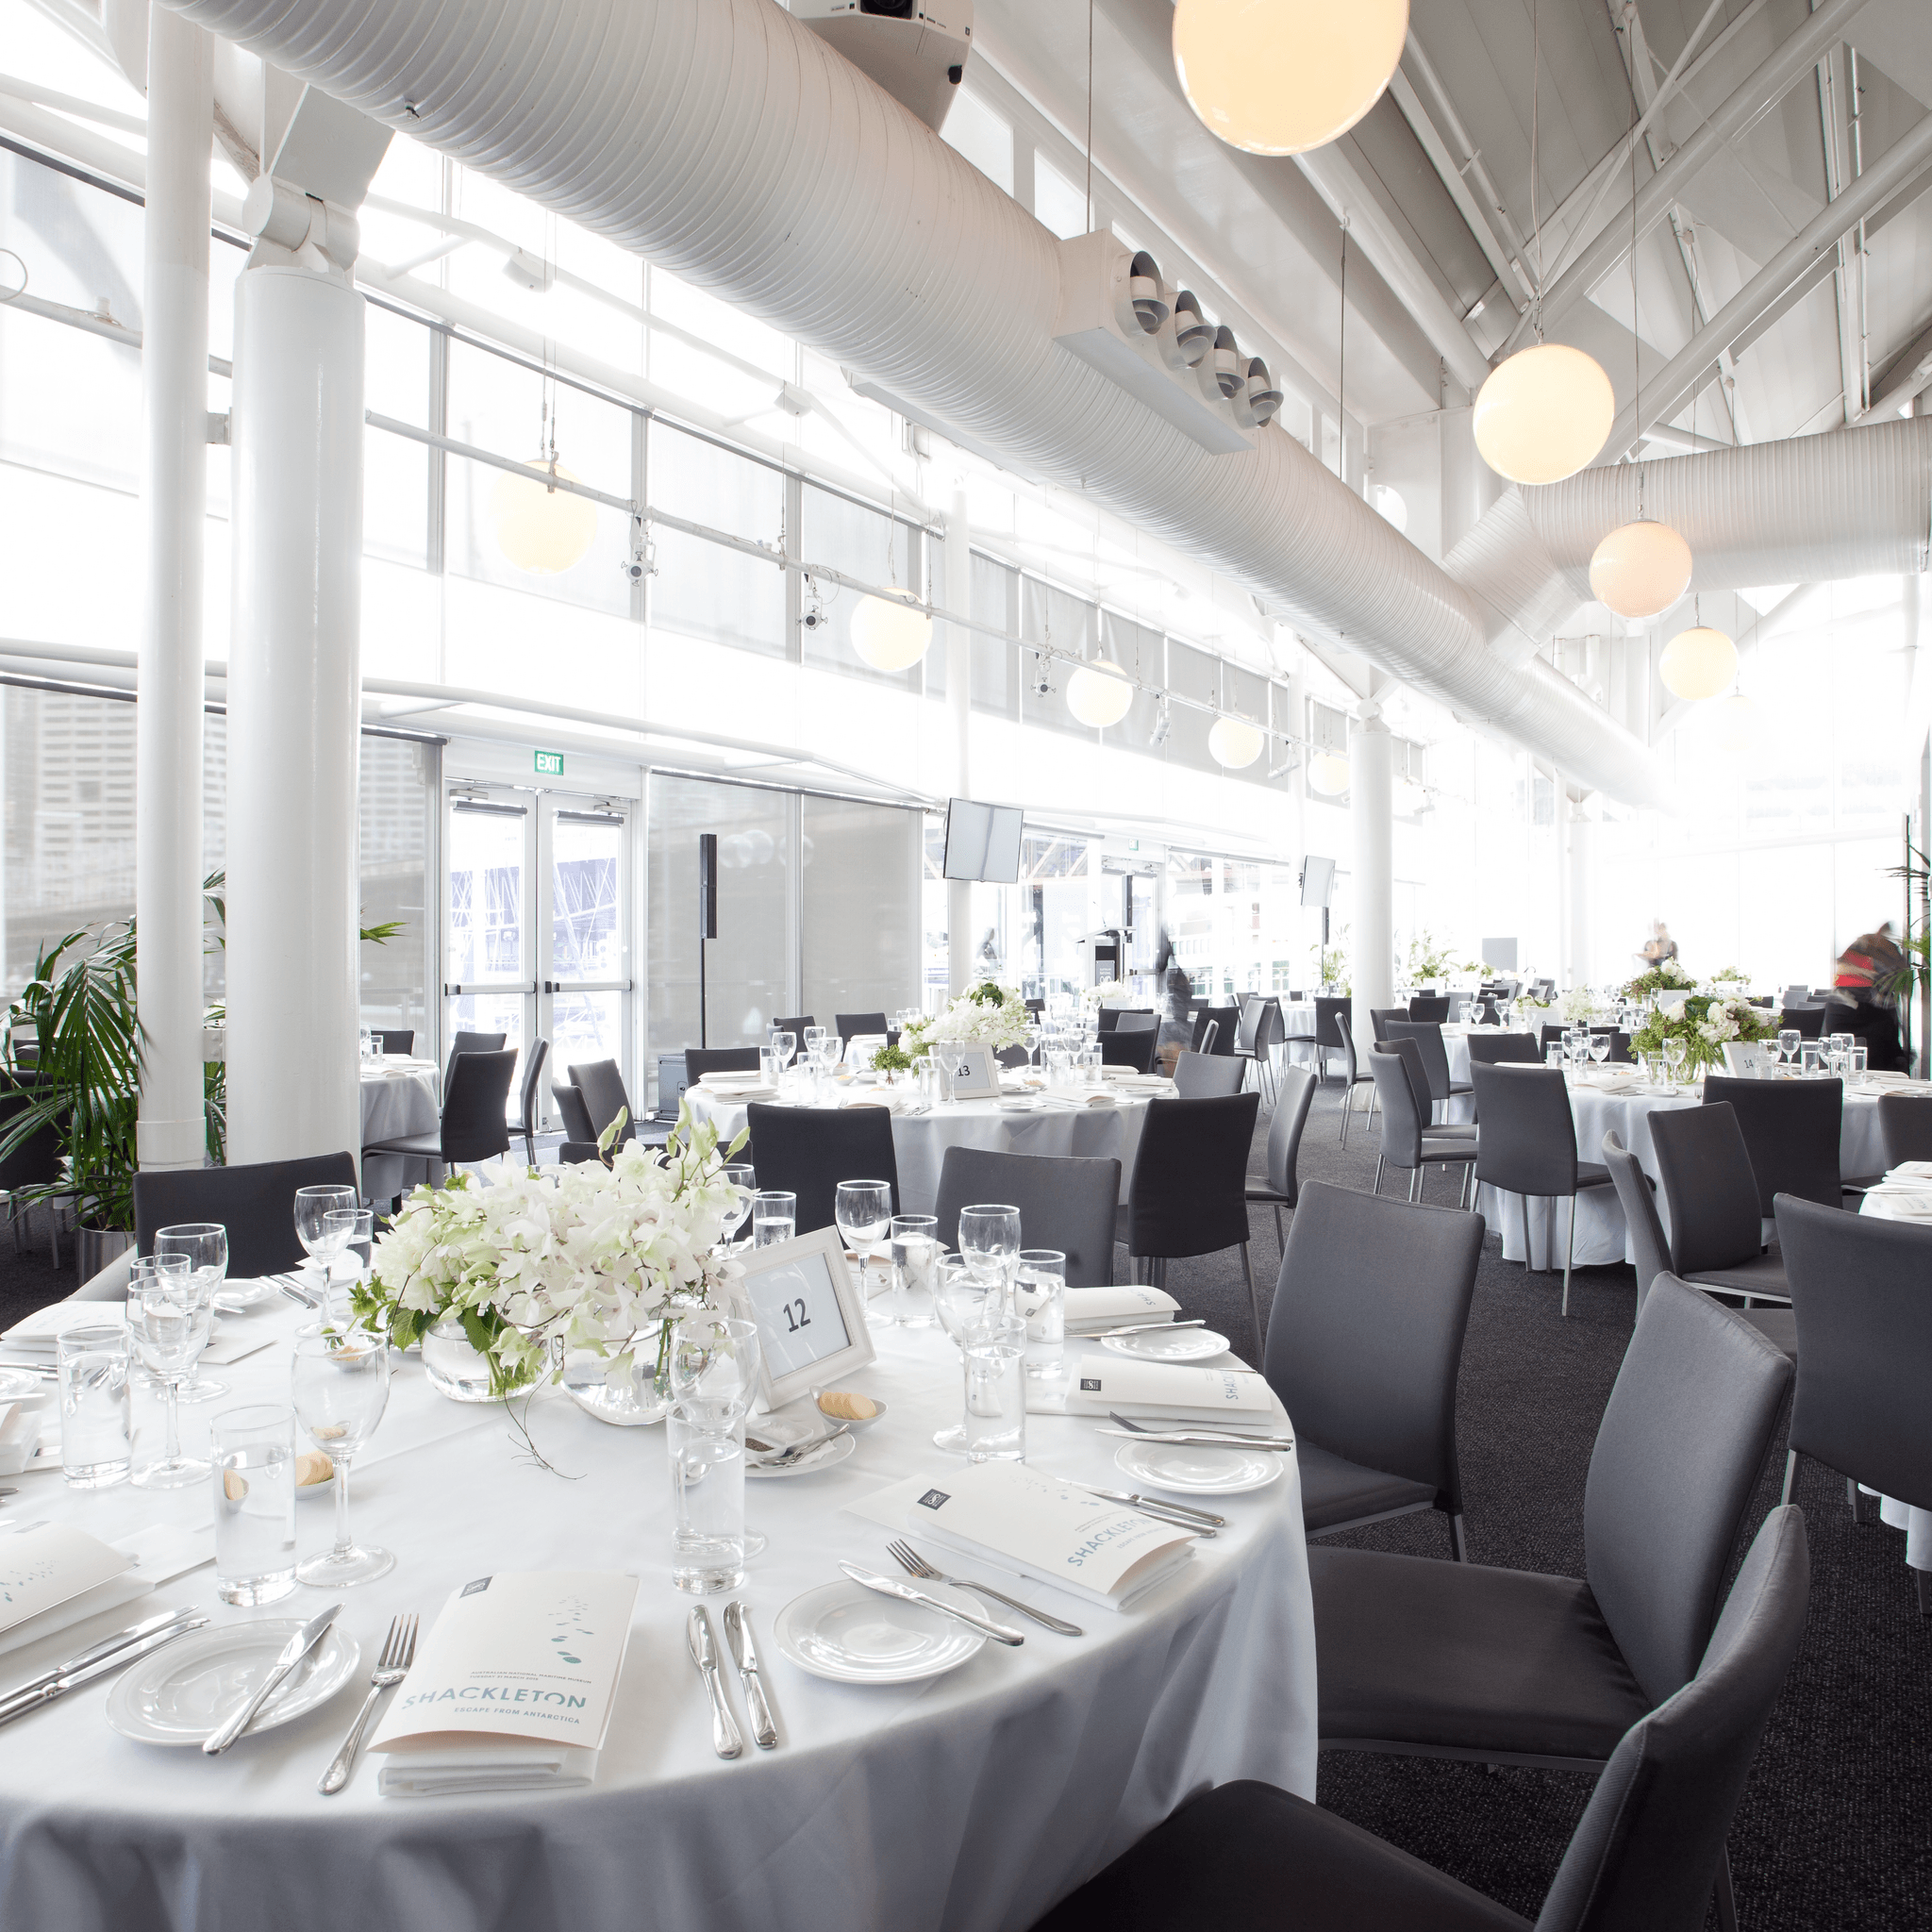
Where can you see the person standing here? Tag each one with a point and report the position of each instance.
(1659, 946)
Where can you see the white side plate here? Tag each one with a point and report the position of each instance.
(824, 1457)
(1168, 1344)
(1199, 1472)
(184, 1689)
(854, 1635)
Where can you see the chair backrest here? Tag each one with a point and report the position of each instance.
(36, 1162)
(1647, 1236)
(1134, 1048)
(1649, 1842)
(1136, 1020)
(1270, 1029)
(1552, 1036)
(402, 1042)
(1503, 1049)
(1861, 1292)
(1402, 1126)
(1365, 1334)
(1065, 1201)
(1430, 1049)
(1227, 1019)
(469, 1043)
(1252, 1008)
(1792, 1129)
(795, 1026)
(533, 1072)
(850, 1023)
(1527, 1142)
(1708, 1186)
(601, 1083)
(1905, 1127)
(1458, 1003)
(1345, 1037)
(1188, 1194)
(475, 1105)
(1423, 1007)
(571, 1111)
(1815, 1021)
(807, 1151)
(1294, 1094)
(255, 1201)
(1201, 1075)
(701, 1060)
(1013, 1056)
(1327, 1009)
(1678, 1455)
(1619, 1044)
(1106, 1019)
(577, 1153)
(1206, 1031)
(1382, 1017)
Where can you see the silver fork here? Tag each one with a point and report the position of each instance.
(914, 1564)
(391, 1667)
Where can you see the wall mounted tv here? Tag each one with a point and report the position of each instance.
(983, 841)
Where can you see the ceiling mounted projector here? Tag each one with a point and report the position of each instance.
(915, 49)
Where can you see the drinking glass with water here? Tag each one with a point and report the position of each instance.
(253, 1452)
(915, 1269)
(774, 1215)
(1039, 1300)
(96, 1405)
(996, 1420)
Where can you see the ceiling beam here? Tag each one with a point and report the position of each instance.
(1907, 374)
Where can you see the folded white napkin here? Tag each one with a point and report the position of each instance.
(483, 1764)
(1089, 1309)
(751, 1091)
(899, 1100)
(1911, 1170)
(1099, 1383)
(1071, 1103)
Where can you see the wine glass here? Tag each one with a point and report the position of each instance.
(341, 1384)
(1033, 1034)
(714, 1366)
(811, 1036)
(205, 1246)
(863, 1211)
(968, 1304)
(354, 1229)
(740, 1175)
(313, 1206)
(783, 1046)
(1676, 1051)
(1599, 1047)
(1789, 1041)
(989, 1240)
(169, 1313)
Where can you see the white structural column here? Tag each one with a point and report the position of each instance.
(173, 491)
(1371, 891)
(1581, 887)
(294, 685)
(958, 597)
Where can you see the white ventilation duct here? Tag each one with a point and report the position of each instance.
(726, 142)
(1856, 503)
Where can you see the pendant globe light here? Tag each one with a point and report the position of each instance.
(1545, 411)
(1098, 695)
(1736, 724)
(1640, 568)
(1328, 774)
(1698, 662)
(890, 631)
(1234, 744)
(540, 528)
(1281, 77)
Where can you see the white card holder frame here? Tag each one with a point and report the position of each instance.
(976, 1073)
(822, 1372)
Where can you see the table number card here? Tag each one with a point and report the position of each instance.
(809, 1312)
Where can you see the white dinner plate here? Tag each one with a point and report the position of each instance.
(824, 1457)
(233, 1296)
(184, 1689)
(1167, 1344)
(1199, 1472)
(854, 1635)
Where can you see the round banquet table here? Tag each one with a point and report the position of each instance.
(1625, 1109)
(1917, 1524)
(968, 1801)
(920, 1140)
(398, 1099)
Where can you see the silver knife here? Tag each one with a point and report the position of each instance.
(297, 1647)
(725, 1741)
(744, 1652)
(886, 1586)
(1199, 1438)
(133, 1634)
(91, 1664)
(1177, 1513)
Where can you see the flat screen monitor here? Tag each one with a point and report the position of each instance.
(1317, 879)
(983, 841)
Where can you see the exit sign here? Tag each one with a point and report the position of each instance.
(550, 764)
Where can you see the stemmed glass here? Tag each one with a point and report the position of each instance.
(810, 1037)
(783, 1046)
(204, 1245)
(341, 1385)
(354, 1230)
(313, 1205)
(740, 1175)
(990, 1241)
(1677, 1050)
(1033, 1034)
(1789, 1041)
(1599, 1047)
(969, 1306)
(169, 1312)
(863, 1211)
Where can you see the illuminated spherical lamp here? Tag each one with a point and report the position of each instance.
(540, 529)
(890, 631)
(1736, 723)
(1281, 77)
(1098, 695)
(1543, 414)
(1234, 744)
(1640, 568)
(1328, 775)
(1698, 664)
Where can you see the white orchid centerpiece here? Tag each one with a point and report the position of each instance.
(1107, 990)
(1577, 1005)
(595, 1257)
(989, 1015)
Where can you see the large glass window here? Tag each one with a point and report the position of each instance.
(703, 590)
(860, 890)
(862, 543)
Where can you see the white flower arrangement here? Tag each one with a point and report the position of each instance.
(990, 1015)
(1577, 1005)
(1107, 990)
(591, 1256)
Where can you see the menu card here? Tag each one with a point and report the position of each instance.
(1038, 1526)
(1098, 1383)
(512, 1689)
(1090, 1310)
(35, 1336)
(54, 1575)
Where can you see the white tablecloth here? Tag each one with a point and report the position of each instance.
(1602, 1235)
(1917, 1524)
(398, 1099)
(970, 1802)
(920, 1140)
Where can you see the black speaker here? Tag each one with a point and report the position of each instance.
(707, 885)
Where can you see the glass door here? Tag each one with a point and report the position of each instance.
(584, 991)
(490, 977)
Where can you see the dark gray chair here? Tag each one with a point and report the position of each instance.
(1353, 1074)
(702, 1060)
(469, 1043)
(33, 1168)
(851, 1024)
(1382, 1017)
(255, 1201)
(402, 1042)
(605, 1098)
(577, 1153)
(1620, 1055)
(795, 1026)
(1201, 1075)
(1226, 1022)
(1643, 1857)
(1905, 1125)
(1411, 1046)
(807, 1151)
(1427, 1035)
(1503, 1049)
(1405, 1144)
(474, 1124)
(1528, 1145)
(1130, 1047)
(527, 1123)
(1207, 1030)
(1065, 1201)
(1269, 1032)
(574, 1113)
(1188, 1195)
(1716, 1232)
(1364, 1341)
(1293, 1096)
(1424, 1007)
(1791, 1131)
(1861, 1294)
(1136, 1020)
(1458, 1660)
(1326, 1038)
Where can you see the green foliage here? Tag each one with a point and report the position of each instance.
(1703, 1021)
(1668, 977)
(892, 1059)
